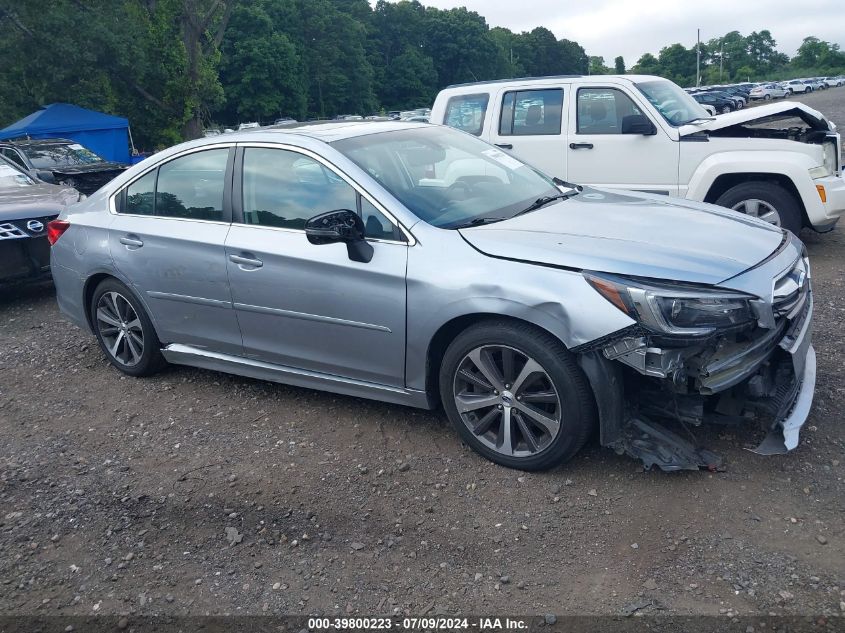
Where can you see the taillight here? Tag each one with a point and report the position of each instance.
(55, 229)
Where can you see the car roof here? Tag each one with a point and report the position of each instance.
(553, 79)
(326, 131)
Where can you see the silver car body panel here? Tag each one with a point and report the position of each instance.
(309, 316)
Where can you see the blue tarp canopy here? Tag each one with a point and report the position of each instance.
(105, 135)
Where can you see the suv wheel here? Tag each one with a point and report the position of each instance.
(124, 330)
(516, 395)
(726, 109)
(767, 201)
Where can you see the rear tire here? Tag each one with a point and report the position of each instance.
(524, 401)
(761, 199)
(124, 331)
(767, 97)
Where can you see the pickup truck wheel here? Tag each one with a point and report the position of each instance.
(767, 201)
(516, 395)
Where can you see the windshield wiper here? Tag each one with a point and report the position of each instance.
(700, 119)
(544, 200)
(476, 222)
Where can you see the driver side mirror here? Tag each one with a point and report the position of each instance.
(638, 124)
(344, 226)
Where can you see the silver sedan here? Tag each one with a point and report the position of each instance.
(418, 265)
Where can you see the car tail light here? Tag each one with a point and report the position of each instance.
(55, 229)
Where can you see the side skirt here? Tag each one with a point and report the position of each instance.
(195, 357)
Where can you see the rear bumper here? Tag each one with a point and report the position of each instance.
(70, 290)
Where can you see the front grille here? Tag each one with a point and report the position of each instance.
(30, 227)
(791, 290)
(9, 231)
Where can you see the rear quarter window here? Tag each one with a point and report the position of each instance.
(467, 112)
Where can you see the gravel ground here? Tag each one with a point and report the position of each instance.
(195, 492)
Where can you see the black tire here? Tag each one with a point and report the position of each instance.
(767, 97)
(574, 397)
(150, 359)
(726, 109)
(788, 208)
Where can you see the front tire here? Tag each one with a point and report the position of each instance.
(516, 395)
(768, 201)
(124, 331)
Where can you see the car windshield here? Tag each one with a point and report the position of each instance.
(61, 155)
(11, 177)
(448, 178)
(674, 105)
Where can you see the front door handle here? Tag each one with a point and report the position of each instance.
(245, 261)
(504, 145)
(131, 240)
(580, 146)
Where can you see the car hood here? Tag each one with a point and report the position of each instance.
(35, 201)
(85, 169)
(632, 234)
(813, 118)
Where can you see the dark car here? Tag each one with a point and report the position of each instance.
(722, 104)
(26, 206)
(61, 161)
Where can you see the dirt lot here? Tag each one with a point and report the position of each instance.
(118, 494)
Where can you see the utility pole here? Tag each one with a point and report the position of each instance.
(698, 59)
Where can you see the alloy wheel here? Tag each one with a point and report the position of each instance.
(507, 400)
(759, 209)
(120, 328)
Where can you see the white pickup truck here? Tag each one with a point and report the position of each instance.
(780, 161)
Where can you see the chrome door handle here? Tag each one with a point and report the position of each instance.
(131, 241)
(245, 261)
(580, 146)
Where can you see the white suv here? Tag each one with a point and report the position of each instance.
(779, 161)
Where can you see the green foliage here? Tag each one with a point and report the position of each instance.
(171, 65)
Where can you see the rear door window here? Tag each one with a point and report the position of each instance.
(467, 112)
(531, 113)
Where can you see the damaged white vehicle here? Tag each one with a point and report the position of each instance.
(779, 162)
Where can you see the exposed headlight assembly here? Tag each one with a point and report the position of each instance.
(668, 309)
(830, 165)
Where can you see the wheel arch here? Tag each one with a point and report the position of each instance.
(95, 280)
(725, 182)
(447, 333)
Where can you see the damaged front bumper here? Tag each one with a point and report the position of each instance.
(762, 376)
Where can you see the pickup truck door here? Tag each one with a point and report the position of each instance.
(600, 155)
(529, 122)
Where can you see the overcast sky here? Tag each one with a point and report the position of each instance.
(619, 27)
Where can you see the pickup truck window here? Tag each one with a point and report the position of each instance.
(601, 110)
(531, 113)
(466, 112)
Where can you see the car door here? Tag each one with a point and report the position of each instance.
(528, 122)
(167, 239)
(307, 306)
(600, 155)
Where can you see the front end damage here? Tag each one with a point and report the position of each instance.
(652, 389)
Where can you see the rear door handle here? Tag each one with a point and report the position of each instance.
(580, 146)
(246, 261)
(504, 145)
(131, 240)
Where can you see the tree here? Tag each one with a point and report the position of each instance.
(647, 65)
(410, 80)
(597, 66)
(619, 65)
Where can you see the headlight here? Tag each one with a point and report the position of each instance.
(681, 310)
(828, 166)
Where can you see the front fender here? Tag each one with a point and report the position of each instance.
(790, 164)
(556, 300)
